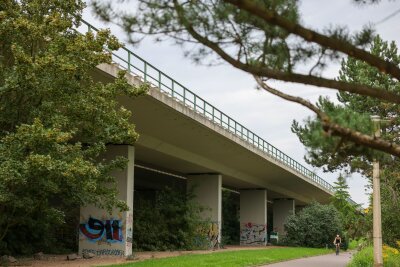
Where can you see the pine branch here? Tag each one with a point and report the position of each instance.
(333, 128)
(264, 71)
(315, 37)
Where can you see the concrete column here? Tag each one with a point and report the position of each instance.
(282, 208)
(208, 191)
(253, 217)
(102, 233)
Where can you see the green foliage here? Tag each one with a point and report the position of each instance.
(168, 220)
(364, 258)
(353, 111)
(354, 221)
(357, 243)
(55, 121)
(235, 30)
(337, 153)
(230, 218)
(315, 225)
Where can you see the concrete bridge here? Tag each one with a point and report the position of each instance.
(185, 140)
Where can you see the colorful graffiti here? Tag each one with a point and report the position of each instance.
(129, 234)
(207, 236)
(213, 235)
(253, 234)
(97, 230)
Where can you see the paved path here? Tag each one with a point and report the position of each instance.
(329, 260)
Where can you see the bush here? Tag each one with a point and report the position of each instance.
(168, 219)
(314, 226)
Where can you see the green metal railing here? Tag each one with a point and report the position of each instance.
(149, 73)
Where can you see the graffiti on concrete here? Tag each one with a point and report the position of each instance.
(129, 234)
(213, 235)
(253, 234)
(104, 252)
(207, 236)
(97, 230)
(129, 225)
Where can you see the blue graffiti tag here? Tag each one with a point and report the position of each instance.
(95, 230)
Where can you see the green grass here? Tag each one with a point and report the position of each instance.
(232, 258)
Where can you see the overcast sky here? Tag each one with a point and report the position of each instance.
(233, 91)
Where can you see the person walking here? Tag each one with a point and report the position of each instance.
(337, 241)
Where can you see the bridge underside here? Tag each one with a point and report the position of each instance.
(176, 138)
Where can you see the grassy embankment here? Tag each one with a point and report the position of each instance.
(231, 258)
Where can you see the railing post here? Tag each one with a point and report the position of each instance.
(129, 60)
(159, 81)
(172, 90)
(145, 71)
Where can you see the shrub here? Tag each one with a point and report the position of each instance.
(314, 226)
(167, 220)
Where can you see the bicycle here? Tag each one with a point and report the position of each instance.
(337, 248)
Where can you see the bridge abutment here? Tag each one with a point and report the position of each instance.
(102, 233)
(253, 217)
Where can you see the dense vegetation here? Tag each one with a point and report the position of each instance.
(168, 219)
(316, 225)
(230, 218)
(355, 222)
(391, 257)
(55, 122)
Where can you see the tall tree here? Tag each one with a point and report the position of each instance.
(341, 196)
(55, 121)
(266, 39)
(353, 220)
(340, 153)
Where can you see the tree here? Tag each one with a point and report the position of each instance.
(265, 39)
(55, 121)
(341, 196)
(340, 153)
(353, 220)
(314, 226)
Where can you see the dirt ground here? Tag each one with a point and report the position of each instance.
(61, 260)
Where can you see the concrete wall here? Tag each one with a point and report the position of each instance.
(253, 217)
(282, 209)
(102, 233)
(208, 191)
